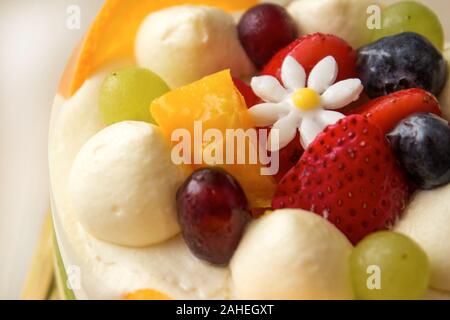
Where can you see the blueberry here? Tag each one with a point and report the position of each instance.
(422, 144)
(403, 61)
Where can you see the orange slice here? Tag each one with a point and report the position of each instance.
(113, 32)
(146, 294)
(216, 103)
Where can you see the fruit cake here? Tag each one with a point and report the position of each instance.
(241, 150)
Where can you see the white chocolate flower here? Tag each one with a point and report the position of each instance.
(294, 106)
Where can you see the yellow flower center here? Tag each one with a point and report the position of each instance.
(306, 99)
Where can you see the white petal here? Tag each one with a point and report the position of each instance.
(268, 88)
(266, 114)
(341, 94)
(326, 117)
(284, 130)
(309, 130)
(293, 74)
(323, 75)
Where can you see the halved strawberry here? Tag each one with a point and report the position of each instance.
(387, 111)
(350, 176)
(310, 49)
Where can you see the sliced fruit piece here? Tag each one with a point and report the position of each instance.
(113, 32)
(350, 176)
(146, 294)
(215, 102)
(310, 49)
(387, 111)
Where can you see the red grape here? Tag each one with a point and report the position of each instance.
(213, 213)
(264, 30)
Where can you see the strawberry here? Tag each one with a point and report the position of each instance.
(310, 49)
(350, 176)
(250, 98)
(387, 111)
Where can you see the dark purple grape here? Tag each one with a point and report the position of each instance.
(264, 30)
(213, 213)
(422, 144)
(402, 61)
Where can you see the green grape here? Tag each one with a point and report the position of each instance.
(389, 266)
(127, 94)
(411, 16)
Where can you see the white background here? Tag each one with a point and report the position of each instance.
(34, 47)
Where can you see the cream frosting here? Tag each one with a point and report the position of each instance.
(185, 43)
(108, 271)
(427, 221)
(292, 254)
(344, 18)
(123, 185)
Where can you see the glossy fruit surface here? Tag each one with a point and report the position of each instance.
(389, 266)
(264, 30)
(411, 16)
(403, 61)
(310, 49)
(213, 213)
(422, 144)
(127, 94)
(387, 111)
(350, 176)
(214, 103)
